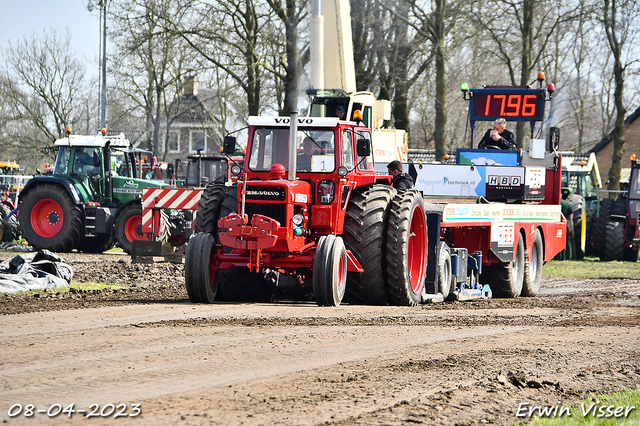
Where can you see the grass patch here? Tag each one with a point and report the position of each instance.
(590, 267)
(625, 399)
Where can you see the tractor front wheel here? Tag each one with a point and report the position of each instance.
(49, 219)
(200, 280)
(329, 271)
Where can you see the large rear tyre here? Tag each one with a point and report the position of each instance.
(7, 233)
(578, 209)
(330, 271)
(533, 268)
(209, 208)
(239, 284)
(614, 242)
(364, 234)
(49, 219)
(199, 279)
(406, 254)
(600, 226)
(506, 279)
(445, 276)
(129, 226)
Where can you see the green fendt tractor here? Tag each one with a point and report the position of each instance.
(92, 200)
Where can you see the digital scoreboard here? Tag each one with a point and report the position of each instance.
(513, 104)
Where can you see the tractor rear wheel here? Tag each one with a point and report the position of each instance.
(329, 271)
(600, 226)
(578, 208)
(406, 254)
(7, 233)
(129, 226)
(49, 219)
(239, 284)
(365, 226)
(445, 276)
(614, 241)
(209, 208)
(506, 279)
(200, 280)
(533, 267)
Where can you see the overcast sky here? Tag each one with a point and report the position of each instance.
(20, 18)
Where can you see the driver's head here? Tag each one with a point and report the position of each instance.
(308, 146)
(499, 125)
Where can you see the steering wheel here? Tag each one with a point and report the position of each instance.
(491, 147)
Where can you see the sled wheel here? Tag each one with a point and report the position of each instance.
(445, 277)
(330, 271)
(506, 279)
(533, 267)
(406, 255)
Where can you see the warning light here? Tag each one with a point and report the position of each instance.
(633, 157)
(464, 86)
(68, 130)
(103, 131)
(540, 76)
(446, 156)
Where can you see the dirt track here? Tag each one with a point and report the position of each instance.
(295, 363)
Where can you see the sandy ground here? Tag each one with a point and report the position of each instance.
(289, 363)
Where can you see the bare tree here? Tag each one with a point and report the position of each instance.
(618, 19)
(45, 83)
(152, 65)
(291, 13)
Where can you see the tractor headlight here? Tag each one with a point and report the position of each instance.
(235, 170)
(297, 219)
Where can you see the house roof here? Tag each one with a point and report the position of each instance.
(609, 137)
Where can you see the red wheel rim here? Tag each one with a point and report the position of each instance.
(417, 250)
(131, 228)
(341, 278)
(47, 218)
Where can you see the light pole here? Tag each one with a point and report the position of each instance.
(102, 4)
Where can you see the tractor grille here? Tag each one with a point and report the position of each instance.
(274, 211)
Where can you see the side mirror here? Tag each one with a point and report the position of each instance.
(554, 139)
(363, 147)
(229, 145)
(96, 158)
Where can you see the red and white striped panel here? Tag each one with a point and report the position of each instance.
(166, 198)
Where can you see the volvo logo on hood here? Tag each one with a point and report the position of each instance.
(275, 193)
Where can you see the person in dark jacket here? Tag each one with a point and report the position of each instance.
(498, 137)
(400, 181)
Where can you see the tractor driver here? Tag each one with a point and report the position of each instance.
(498, 137)
(340, 112)
(400, 180)
(304, 158)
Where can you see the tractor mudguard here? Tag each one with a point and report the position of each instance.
(64, 182)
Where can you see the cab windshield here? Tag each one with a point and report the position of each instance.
(315, 149)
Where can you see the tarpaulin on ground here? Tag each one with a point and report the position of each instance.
(34, 271)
